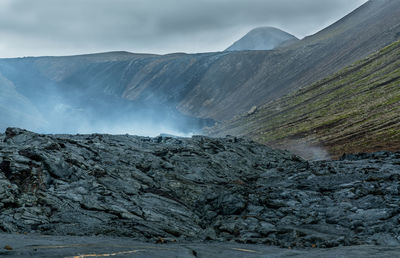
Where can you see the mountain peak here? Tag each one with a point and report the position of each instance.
(262, 38)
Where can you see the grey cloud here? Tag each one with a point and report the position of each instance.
(61, 27)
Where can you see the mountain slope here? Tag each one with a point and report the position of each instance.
(262, 38)
(209, 85)
(355, 110)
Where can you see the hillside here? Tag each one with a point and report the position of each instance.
(354, 110)
(262, 38)
(209, 85)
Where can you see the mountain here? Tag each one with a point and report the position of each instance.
(238, 81)
(190, 91)
(262, 38)
(354, 110)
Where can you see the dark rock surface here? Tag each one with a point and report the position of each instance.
(195, 189)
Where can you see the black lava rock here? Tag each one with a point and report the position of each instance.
(195, 188)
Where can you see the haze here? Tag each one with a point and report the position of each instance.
(59, 27)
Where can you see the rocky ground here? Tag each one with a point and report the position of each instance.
(41, 246)
(168, 189)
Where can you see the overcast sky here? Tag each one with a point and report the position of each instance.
(66, 27)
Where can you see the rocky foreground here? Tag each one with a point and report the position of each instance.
(176, 189)
(43, 246)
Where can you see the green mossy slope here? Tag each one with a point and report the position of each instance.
(355, 110)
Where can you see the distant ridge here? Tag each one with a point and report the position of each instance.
(262, 38)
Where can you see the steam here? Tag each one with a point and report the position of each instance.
(64, 118)
(308, 151)
(34, 102)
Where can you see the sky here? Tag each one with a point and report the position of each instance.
(69, 27)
